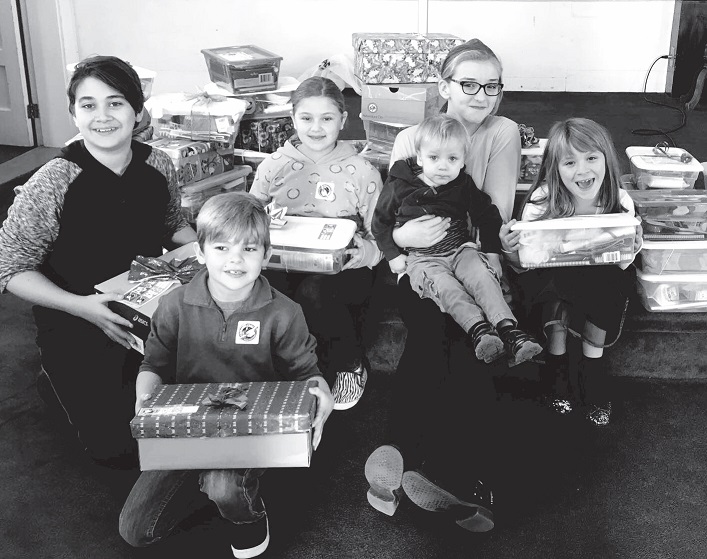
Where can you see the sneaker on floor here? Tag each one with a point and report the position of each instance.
(487, 345)
(384, 472)
(251, 539)
(349, 386)
(472, 513)
(519, 345)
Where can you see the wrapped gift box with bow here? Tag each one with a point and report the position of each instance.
(224, 426)
(146, 281)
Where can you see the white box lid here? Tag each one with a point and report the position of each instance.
(578, 222)
(645, 158)
(675, 245)
(314, 233)
(677, 277)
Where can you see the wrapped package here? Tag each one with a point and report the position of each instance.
(401, 57)
(226, 426)
(197, 116)
(193, 161)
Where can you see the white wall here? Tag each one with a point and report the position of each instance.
(551, 45)
(544, 45)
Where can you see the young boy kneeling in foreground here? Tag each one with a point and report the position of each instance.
(463, 278)
(196, 337)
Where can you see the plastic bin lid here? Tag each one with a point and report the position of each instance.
(318, 233)
(242, 55)
(681, 277)
(674, 245)
(237, 172)
(668, 197)
(645, 158)
(578, 222)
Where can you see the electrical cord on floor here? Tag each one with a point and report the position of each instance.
(657, 131)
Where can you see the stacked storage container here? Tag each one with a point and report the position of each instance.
(672, 266)
(399, 72)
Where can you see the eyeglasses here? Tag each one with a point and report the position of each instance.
(472, 88)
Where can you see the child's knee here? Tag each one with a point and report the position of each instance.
(221, 486)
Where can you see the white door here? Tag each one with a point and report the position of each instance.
(15, 127)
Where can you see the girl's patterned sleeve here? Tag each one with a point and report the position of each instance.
(263, 178)
(370, 186)
(27, 236)
(174, 220)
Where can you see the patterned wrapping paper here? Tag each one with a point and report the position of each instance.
(265, 135)
(401, 57)
(193, 161)
(178, 411)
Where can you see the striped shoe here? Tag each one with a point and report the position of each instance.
(348, 387)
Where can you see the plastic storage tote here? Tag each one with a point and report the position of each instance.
(653, 168)
(243, 69)
(672, 292)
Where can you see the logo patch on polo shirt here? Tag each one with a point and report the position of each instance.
(248, 332)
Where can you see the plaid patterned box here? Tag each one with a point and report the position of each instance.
(401, 57)
(191, 426)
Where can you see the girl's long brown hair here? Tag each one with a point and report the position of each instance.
(584, 135)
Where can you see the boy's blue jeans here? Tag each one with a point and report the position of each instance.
(160, 499)
(465, 285)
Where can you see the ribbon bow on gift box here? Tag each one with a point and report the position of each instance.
(277, 215)
(227, 396)
(147, 267)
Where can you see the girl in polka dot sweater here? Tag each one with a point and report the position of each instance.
(313, 175)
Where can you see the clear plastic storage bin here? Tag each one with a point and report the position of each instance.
(382, 134)
(577, 241)
(672, 214)
(653, 168)
(243, 69)
(658, 257)
(311, 244)
(672, 292)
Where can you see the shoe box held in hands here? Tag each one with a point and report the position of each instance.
(311, 244)
(586, 240)
(226, 426)
(140, 298)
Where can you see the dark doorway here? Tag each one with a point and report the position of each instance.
(690, 56)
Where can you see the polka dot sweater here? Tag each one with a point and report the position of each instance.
(342, 185)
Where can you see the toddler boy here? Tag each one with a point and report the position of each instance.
(226, 325)
(461, 277)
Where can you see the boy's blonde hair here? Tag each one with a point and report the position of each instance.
(233, 215)
(441, 129)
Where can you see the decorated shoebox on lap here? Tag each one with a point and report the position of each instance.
(226, 426)
(589, 240)
(678, 215)
(308, 244)
(401, 57)
(146, 281)
(663, 167)
(196, 194)
(678, 292)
